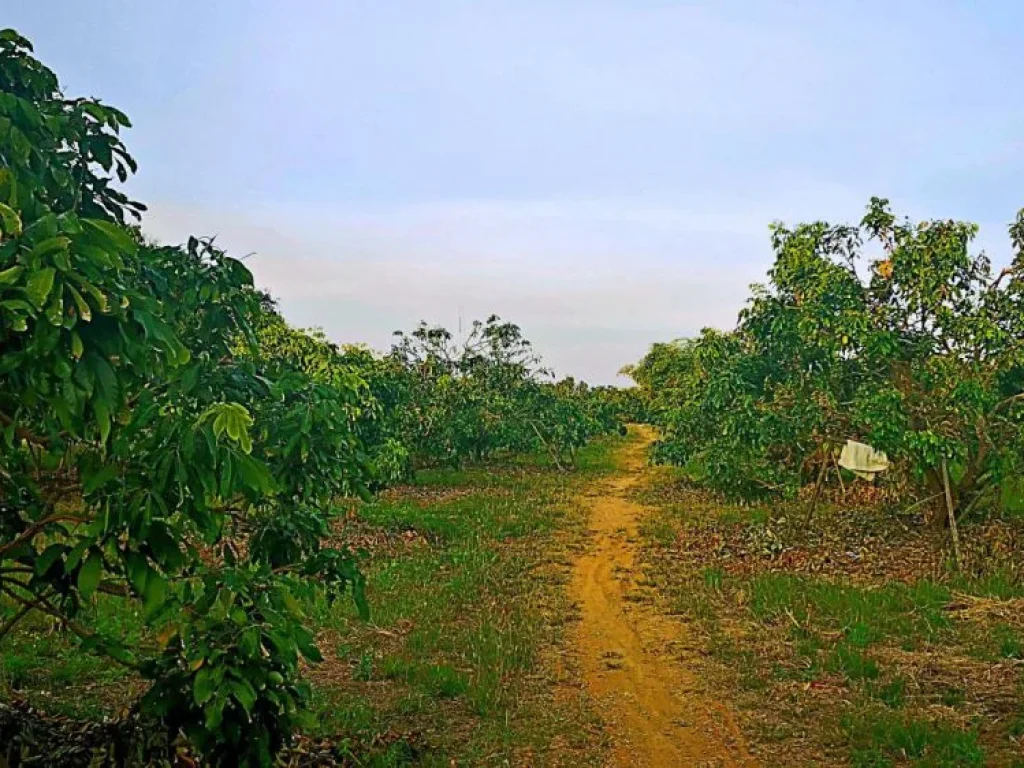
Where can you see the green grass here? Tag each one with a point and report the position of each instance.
(437, 680)
(713, 578)
(911, 613)
(44, 664)
(852, 662)
(1010, 644)
(892, 693)
(884, 738)
(999, 583)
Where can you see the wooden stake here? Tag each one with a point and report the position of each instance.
(839, 473)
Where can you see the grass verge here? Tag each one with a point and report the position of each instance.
(848, 640)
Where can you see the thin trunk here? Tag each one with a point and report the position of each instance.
(817, 488)
(554, 456)
(937, 519)
(25, 609)
(952, 516)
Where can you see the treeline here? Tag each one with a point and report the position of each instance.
(891, 333)
(168, 439)
(435, 400)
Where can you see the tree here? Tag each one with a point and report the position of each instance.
(152, 451)
(918, 351)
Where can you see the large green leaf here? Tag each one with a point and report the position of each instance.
(10, 221)
(89, 574)
(10, 275)
(154, 595)
(203, 685)
(39, 285)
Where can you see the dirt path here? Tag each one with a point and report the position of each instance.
(656, 708)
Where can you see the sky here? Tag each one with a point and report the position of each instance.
(602, 172)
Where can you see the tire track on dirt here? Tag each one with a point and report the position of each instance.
(657, 710)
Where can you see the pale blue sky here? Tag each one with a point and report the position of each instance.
(601, 172)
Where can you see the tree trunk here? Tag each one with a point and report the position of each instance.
(817, 487)
(952, 516)
(938, 516)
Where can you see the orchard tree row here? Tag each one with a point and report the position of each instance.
(167, 439)
(892, 333)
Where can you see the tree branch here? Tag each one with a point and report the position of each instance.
(1007, 402)
(13, 621)
(35, 528)
(43, 604)
(22, 433)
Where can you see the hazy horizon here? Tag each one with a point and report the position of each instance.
(602, 173)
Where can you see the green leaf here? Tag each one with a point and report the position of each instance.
(84, 311)
(39, 285)
(106, 377)
(307, 646)
(75, 555)
(116, 235)
(100, 478)
(359, 597)
(10, 221)
(203, 685)
(8, 186)
(254, 473)
(48, 246)
(98, 295)
(244, 693)
(1012, 495)
(249, 642)
(119, 652)
(225, 475)
(102, 418)
(89, 574)
(215, 714)
(154, 596)
(10, 276)
(43, 228)
(55, 311)
(138, 571)
(164, 544)
(48, 558)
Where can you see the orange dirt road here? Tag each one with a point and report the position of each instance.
(656, 709)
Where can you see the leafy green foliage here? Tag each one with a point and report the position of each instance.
(166, 439)
(918, 351)
(151, 448)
